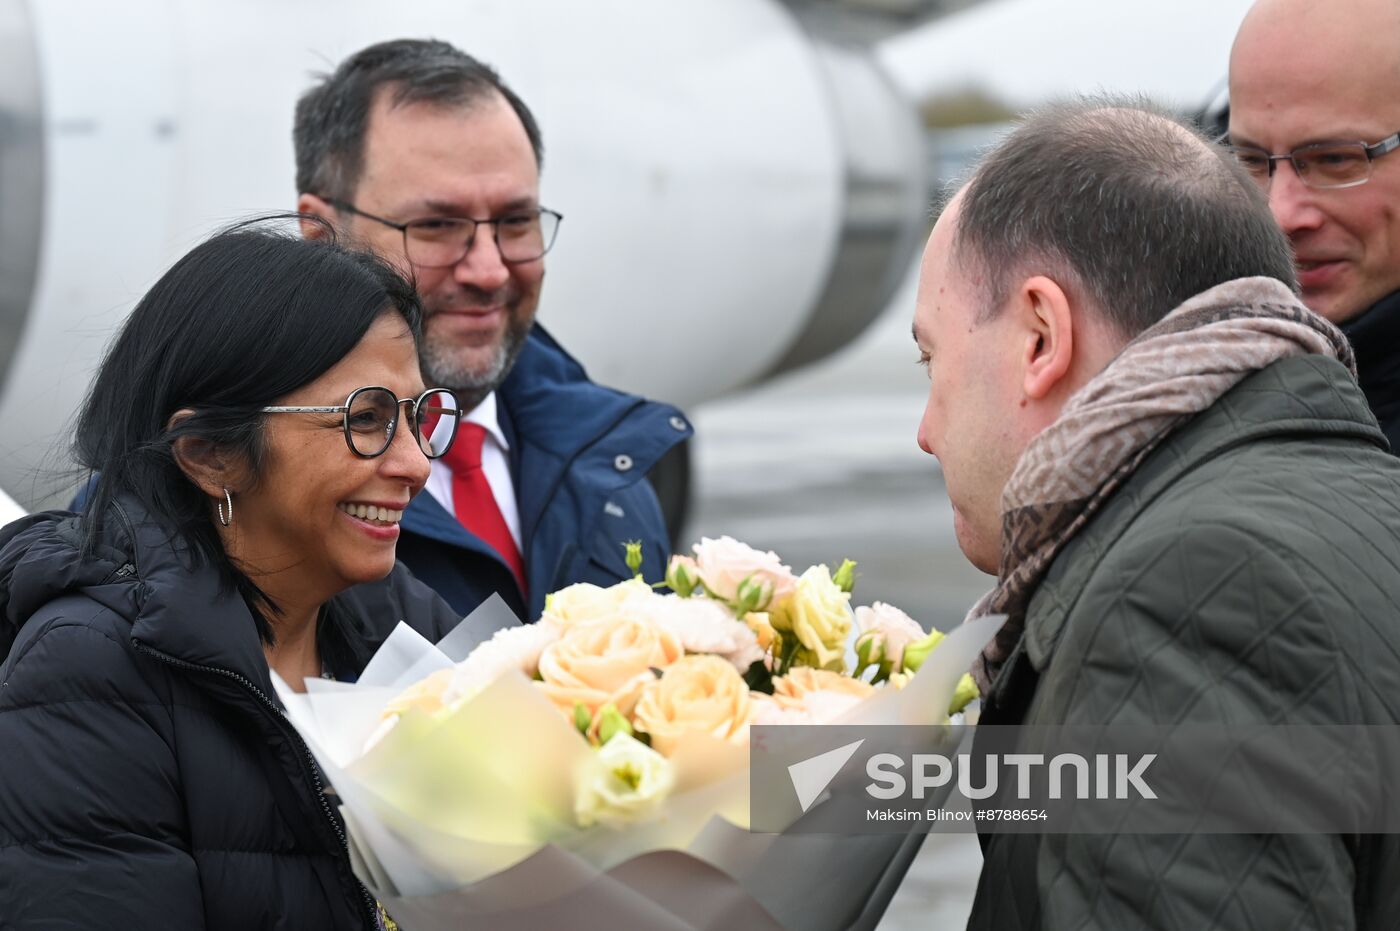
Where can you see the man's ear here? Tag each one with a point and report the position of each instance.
(314, 206)
(203, 463)
(1049, 347)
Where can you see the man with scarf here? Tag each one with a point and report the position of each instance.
(1315, 112)
(1165, 458)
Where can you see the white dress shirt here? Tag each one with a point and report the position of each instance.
(495, 463)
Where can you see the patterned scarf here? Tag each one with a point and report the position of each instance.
(1169, 373)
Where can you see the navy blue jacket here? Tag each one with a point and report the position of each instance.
(1375, 336)
(579, 453)
(149, 778)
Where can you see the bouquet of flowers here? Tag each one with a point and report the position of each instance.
(591, 769)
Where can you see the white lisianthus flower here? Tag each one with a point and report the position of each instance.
(624, 782)
(737, 573)
(702, 625)
(510, 648)
(887, 631)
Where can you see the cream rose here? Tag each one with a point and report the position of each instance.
(605, 661)
(821, 694)
(737, 573)
(818, 615)
(884, 632)
(695, 695)
(583, 603)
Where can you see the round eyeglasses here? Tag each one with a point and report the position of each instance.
(441, 242)
(1322, 165)
(372, 416)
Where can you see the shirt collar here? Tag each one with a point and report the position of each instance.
(484, 415)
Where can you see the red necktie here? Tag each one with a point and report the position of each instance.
(473, 501)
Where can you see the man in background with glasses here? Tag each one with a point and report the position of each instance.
(422, 153)
(1315, 117)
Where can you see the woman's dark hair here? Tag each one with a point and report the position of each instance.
(246, 317)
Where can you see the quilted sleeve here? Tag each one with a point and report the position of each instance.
(1201, 623)
(91, 818)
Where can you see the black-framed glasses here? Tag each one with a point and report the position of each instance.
(372, 416)
(1321, 165)
(440, 242)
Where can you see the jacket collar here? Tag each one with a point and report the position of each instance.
(1375, 337)
(1310, 395)
(185, 612)
(551, 414)
(548, 398)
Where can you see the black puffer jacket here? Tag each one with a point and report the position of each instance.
(147, 776)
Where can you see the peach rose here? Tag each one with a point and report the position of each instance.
(701, 694)
(605, 661)
(823, 695)
(425, 695)
(736, 573)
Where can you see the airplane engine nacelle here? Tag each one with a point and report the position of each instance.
(740, 198)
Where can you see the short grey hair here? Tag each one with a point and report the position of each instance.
(1118, 200)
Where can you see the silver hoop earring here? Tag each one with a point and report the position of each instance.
(226, 519)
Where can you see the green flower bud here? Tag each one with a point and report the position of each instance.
(870, 651)
(611, 723)
(681, 576)
(963, 694)
(754, 595)
(845, 577)
(634, 557)
(915, 653)
(582, 718)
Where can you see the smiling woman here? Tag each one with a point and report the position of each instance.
(217, 546)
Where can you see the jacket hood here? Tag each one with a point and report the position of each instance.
(41, 559)
(138, 570)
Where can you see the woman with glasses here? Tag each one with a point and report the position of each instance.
(257, 429)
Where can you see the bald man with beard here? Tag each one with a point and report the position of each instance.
(1321, 81)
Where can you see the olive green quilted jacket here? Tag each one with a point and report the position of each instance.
(1248, 572)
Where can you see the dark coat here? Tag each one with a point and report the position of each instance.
(1375, 336)
(149, 779)
(1248, 572)
(579, 454)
